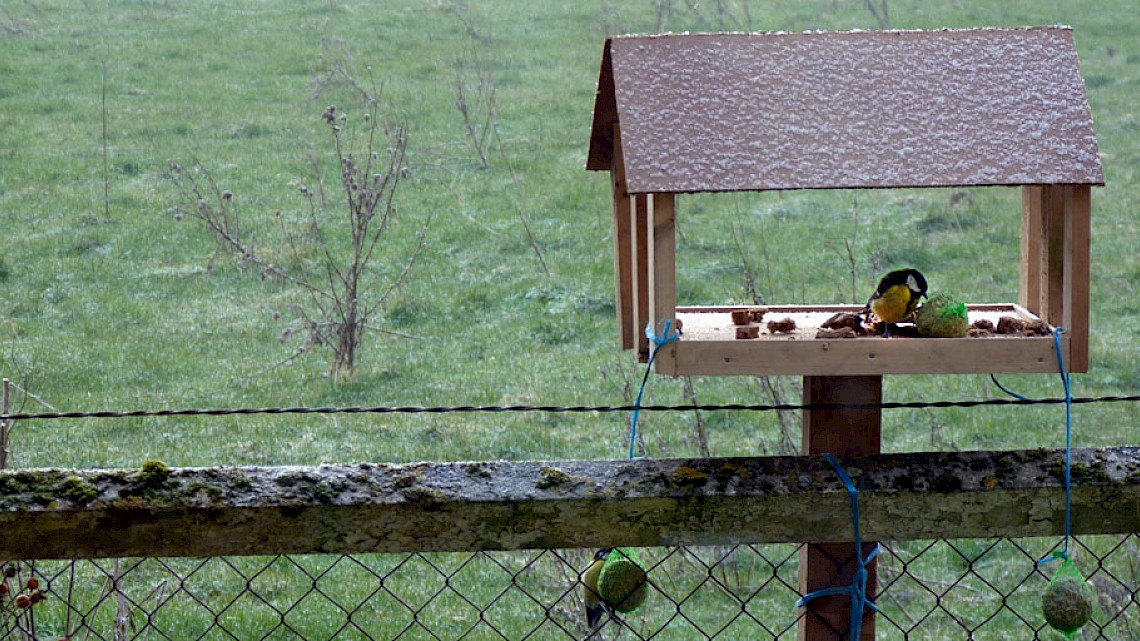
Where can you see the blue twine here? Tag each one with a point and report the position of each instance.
(667, 336)
(858, 587)
(1068, 449)
(1006, 389)
(1065, 381)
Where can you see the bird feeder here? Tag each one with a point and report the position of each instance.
(695, 113)
(687, 114)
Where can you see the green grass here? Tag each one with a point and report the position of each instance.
(117, 309)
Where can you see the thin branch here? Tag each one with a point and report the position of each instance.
(106, 152)
(690, 394)
(880, 13)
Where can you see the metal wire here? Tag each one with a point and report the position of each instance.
(556, 409)
(986, 589)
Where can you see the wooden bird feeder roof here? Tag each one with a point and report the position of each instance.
(858, 109)
(841, 110)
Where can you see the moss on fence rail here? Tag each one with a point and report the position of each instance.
(159, 511)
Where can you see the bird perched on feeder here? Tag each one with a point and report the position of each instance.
(896, 297)
(595, 606)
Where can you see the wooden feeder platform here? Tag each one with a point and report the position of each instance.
(708, 346)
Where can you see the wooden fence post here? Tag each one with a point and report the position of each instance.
(5, 425)
(827, 565)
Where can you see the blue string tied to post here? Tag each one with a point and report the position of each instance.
(1064, 554)
(668, 335)
(1065, 382)
(858, 587)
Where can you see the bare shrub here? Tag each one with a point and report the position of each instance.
(331, 253)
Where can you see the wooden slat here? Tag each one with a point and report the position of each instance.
(827, 565)
(565, 504)
(1032, 248)
(1043, 220)
(1078, 213)
(661, 225)
(1054, 206)
(639, 247)
(623, 278)
(868, 356)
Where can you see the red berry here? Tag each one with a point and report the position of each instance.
(3, 589)
(23, 601)
(33, 583)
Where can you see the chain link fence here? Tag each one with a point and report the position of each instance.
(943, 589)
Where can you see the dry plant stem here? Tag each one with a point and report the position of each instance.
(749, 275)
(690, 395)
(770, 388)
(103, 122)
(485, 97)
(790, 420)
(880, 13)
(336, 57)
(221, 218)
(70, 592)
(339, 286)
(123, 623)
(938, 438)
(477, 141)
(624, 385)
(519, 194)
(847, 254)
(6, 425)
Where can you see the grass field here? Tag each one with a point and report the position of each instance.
(114, 307)
(108, 302)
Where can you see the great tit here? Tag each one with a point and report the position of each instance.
(596, 608)
(896, 297)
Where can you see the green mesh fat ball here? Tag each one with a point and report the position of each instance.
(943, 316)
(1068, 600)
(622, 582)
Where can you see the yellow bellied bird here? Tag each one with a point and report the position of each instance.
(596, 608)
(896, 297)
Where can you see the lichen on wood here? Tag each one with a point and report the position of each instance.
(160, 511)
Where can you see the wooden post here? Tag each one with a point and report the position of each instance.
(6, 425)
(1078, 213)
(622, 248)
(639, 251)
(661, 230)
(827, 565)
(1055, 261)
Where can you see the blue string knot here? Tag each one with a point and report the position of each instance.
(667, 335)
(858, 587)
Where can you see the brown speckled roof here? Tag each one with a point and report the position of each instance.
(816, 110)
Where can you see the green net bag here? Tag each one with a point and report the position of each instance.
(622, 581)
(943, 316)
(1068, 600)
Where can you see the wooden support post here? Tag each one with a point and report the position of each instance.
(1055, 261)
(622, 248)
(661, 228)
(840, 432)
(1075, 318)
(5, 426)
(1029, 293)
(639, 251)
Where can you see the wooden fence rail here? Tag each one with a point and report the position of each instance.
(156, 511)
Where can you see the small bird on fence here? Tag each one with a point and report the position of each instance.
(596, 608)
(896, 297)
